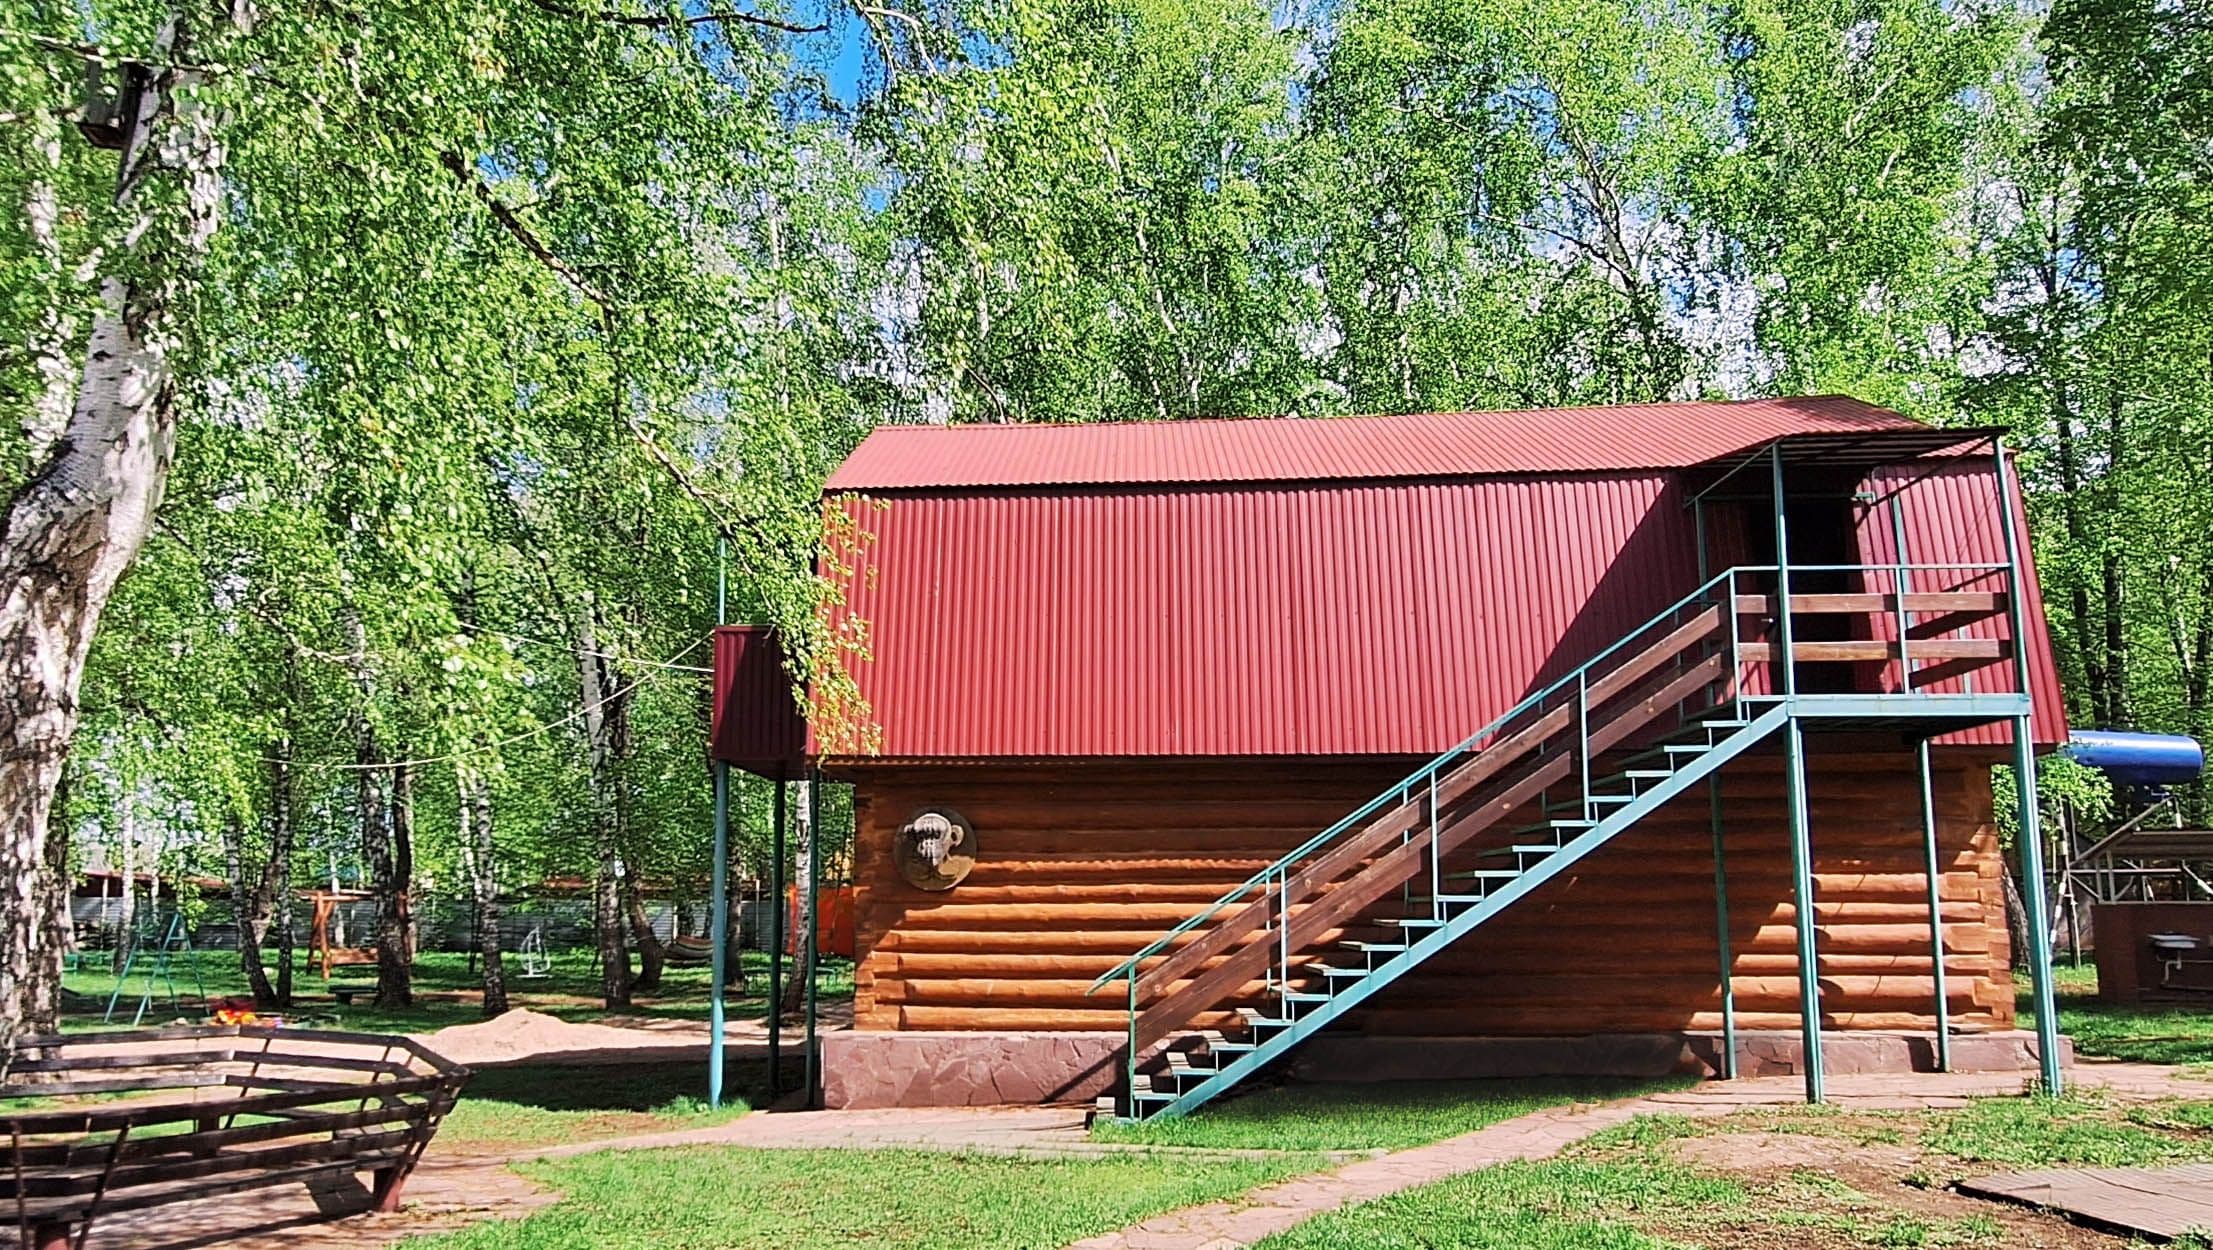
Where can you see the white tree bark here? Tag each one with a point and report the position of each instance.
(56, 333)
(78, 522)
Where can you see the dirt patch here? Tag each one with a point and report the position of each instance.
(1826, 1190)
(532, 1035)
(1763, 1151)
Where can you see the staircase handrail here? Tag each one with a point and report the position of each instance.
(1127, 969)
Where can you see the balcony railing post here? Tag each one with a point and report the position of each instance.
(1736, 648)
(1583, 735)
(1782, 578)
(1129, 1077)
(1903, 587)
(1436, 857)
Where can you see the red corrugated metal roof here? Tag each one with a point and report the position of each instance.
(1366, 613)
(1419, 445)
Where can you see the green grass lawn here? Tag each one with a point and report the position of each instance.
(710, 1198)
(532, 1105)
(1382, 1115)
(447, 992)
(1629, 1189)
(2177, 1033)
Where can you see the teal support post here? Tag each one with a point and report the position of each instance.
(718, 931)
(810, 941)
(776, 941)
(1788, 660)
(1801, 874)
(1930, 867)
(2031, 830)
(1728, 1066)
(2033, 902)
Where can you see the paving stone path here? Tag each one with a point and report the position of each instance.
(456, 1188)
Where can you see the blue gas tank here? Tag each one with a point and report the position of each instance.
(2138, 759)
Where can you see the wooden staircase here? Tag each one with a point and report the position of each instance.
(1592, 754)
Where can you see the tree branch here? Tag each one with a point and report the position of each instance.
(610, 326)
(664, 21)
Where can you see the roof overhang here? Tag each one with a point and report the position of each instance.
(1854, 452)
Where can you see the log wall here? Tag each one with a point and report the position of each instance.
(1081, 864)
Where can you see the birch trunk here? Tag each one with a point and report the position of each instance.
(55, 337)
(126, 911)
(245, 903)
(80, 519)
(475, 817)
(53, 896)
(395, 875)
(274, 904)
(795, 989)
(598, 690)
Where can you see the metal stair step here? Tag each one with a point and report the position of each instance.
(1328, 971)
(1412, 922)
(1155, 1095)
(1565, 822)
(1374, 947)
(1483, 874)
(1596, 798)
(1523, 848)
(1255, 1019)
(1303, 996)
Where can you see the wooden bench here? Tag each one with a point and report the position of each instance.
(210, 1111)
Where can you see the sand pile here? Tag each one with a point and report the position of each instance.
(534, 1035)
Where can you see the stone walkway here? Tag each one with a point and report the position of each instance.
(453, 1189)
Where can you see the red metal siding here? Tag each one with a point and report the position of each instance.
(755, 723)
(1319, 619)
(1626, 438)
(1950, 516)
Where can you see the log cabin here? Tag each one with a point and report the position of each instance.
(1628, 739)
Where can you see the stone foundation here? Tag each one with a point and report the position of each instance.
(954, 1069)
(959, 1069)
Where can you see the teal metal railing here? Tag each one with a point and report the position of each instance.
(1686, 639)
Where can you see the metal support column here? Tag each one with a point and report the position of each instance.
(810, 941)
(1728, 1065)
(2031, 830)
(1801, 873)
(776, 939)
(1788, 660)
(2031, 833)
(718, 932)
(1931, 869)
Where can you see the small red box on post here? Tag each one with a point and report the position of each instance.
(756, 724)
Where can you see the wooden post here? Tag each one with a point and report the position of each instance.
(389, 1182)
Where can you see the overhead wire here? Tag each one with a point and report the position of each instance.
(527, 735)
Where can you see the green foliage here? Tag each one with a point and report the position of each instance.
(2062, 784)
(517, 309)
